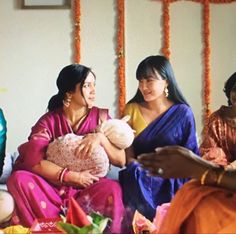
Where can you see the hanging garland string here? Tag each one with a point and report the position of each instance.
(206, 52)
(77, 13)
(121, 55)
(206, 44)
(166, 28)
(165, 49)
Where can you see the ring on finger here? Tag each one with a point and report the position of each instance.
(160, 171)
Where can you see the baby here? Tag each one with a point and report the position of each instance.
(61, 150)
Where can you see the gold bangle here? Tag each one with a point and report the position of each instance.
(203, 177)
(220, 177)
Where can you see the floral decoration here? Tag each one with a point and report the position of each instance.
(166, 28)
(121, 54)
(77, 31)
(165, 49)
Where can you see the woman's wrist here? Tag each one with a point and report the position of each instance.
(102, 138)
(212, 176)
(63, 175)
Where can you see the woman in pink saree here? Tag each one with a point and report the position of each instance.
(41, 188)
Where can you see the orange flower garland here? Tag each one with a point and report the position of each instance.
(121, 55)
(206, 52)
(206, 42)
(77, 31)
(166, 45)
(166, 29)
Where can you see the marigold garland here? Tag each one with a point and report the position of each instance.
(166, 28)
(206, 53)
(121, 54)
(206, 44)
(77, 31)
(165, 49)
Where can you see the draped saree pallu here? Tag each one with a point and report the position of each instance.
(200, 209)
(37, 198)
(142, 192)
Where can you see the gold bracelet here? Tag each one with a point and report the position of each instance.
(203, 177)
(220, 177)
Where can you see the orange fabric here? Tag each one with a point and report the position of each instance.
(219, 144)
(200, 209)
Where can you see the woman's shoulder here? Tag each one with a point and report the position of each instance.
(218, 114)
(131, 107)
(50, 116)
(221, 116)
(183, 108)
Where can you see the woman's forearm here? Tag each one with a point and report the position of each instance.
(228, 179)
(130, 157)
(48, 170)
(116, 156)
(212, 174)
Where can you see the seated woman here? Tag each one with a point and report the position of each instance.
(219, 143)
(42, 188)
(160, 116)
(206, 204)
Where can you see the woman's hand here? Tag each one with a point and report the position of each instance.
(174, 162)
(88, 144)
(91, 141)
(80, 179)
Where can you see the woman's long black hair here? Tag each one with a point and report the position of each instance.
(229, 84)
(160, 64)
(67, 80)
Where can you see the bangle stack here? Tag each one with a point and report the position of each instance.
(203, 177)
(220, 177)
(215, 179)
(63, 174)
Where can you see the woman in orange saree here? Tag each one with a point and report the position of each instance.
(206, 204)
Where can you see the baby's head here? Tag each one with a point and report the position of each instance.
(118, 132)
(6, 207)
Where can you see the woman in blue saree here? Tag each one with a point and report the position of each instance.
(160, 116)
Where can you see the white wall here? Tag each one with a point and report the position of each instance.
(36, 44)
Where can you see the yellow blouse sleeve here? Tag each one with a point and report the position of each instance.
(136, 121)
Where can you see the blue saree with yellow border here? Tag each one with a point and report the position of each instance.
(143, 192)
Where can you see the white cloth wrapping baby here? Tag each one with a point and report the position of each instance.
(62, 152)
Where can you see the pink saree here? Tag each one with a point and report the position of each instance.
(37, 198)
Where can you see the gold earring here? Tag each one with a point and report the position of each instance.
(67, 101)
(166, 91)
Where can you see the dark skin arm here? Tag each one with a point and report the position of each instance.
(179, 162)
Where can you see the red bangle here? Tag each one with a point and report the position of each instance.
(63, 173)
